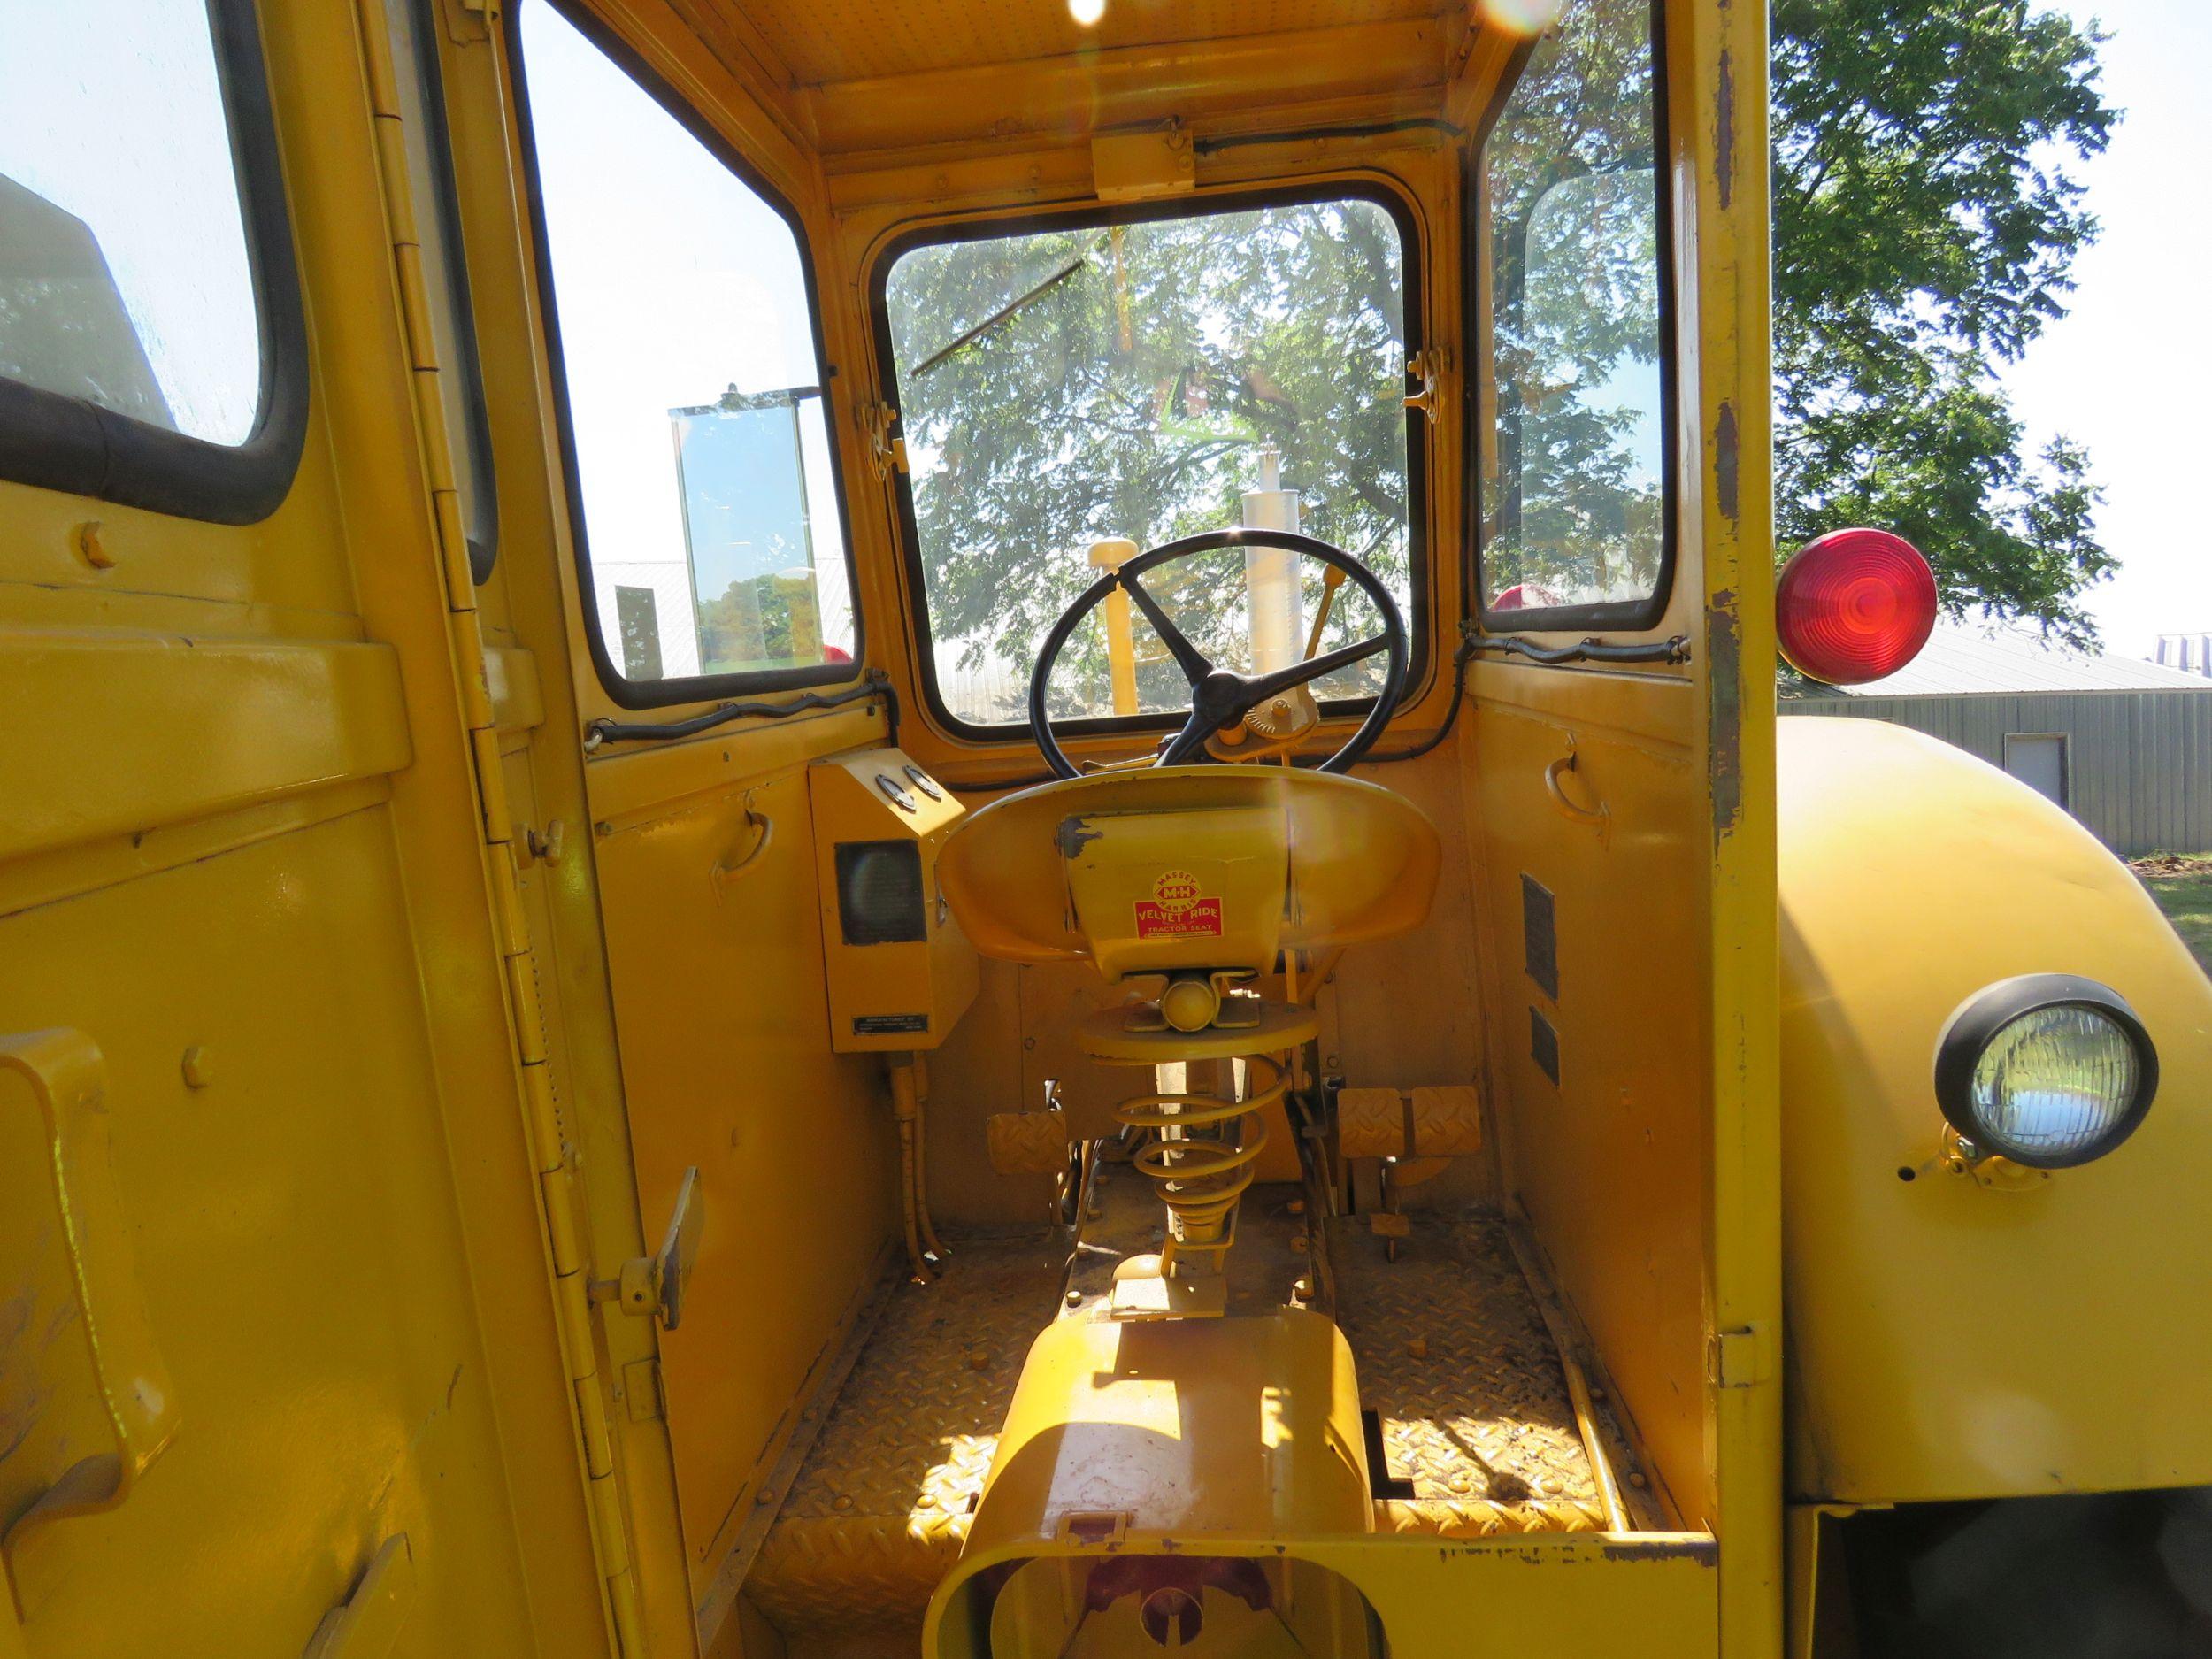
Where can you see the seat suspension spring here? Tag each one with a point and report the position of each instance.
(1201, 1175)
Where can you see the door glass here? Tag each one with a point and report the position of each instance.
(124, 278)
(1574, 501)
(1149, 381)
(694, 388)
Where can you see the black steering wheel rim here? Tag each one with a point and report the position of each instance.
(1223, 687)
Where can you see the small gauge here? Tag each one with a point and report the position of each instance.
(923, 781)
(896, 794)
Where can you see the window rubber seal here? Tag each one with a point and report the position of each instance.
(1376, 187)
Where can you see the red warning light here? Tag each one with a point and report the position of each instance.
(1855, 605)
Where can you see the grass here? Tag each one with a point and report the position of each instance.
(2182, 884)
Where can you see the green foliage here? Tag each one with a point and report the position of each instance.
(1132, 397)
(1923, 224)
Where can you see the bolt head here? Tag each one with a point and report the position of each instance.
(198, 1071)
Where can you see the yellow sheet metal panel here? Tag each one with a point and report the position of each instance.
(723, 1010)
(1608, 1161)
(299, 714)
(298, 1250)
(1948, 1340)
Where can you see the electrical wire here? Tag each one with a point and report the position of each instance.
(876, 686)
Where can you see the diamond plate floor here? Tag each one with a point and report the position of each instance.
(879, 1509)
(1455, 1357)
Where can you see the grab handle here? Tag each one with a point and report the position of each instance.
(1569, 761)
(68, 1080)
(764, 829)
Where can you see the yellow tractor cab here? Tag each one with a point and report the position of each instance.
(956, 830)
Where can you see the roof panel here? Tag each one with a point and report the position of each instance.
(821, 41)
(1964, 658)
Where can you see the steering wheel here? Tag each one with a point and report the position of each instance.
(1221, 698)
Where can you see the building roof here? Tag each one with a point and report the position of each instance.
(1965, 658)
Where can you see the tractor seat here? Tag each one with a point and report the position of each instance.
(1185, 871)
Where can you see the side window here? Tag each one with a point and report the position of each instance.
(1575, 490)
(708, 512)
(413, 27)
(152, 349)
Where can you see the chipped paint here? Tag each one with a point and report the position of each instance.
(1727, 462)
(1702, 1550)
(1725, 132)
(1723, 731)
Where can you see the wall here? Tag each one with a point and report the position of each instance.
(2138, 767)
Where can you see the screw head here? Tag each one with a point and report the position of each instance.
(198, 1071)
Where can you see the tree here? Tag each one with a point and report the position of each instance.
(1061, 387)
(1925, 221)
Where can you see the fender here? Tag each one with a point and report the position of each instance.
(1950, 1338)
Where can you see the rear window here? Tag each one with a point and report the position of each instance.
(1147, 380)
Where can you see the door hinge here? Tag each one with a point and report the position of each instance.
(1739, 1358)
(655, 1284)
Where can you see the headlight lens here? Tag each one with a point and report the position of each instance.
(2049, 1070)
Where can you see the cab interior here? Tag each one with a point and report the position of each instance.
(802, 367)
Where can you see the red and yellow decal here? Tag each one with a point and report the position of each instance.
(1176, 909)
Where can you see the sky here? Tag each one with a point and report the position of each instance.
(2127, 373)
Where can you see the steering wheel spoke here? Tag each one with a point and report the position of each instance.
(1195, 663)
(1189, 744)
(1265, 686)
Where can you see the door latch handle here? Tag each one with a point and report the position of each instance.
(655, 1284)
(1598, 815)
(68, 1081)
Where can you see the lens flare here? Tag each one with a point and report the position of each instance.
(1521, 17)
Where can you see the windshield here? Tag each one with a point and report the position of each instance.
(1148, 381)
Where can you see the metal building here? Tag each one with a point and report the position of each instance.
(2124, 745)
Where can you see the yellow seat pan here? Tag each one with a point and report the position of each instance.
(1363, 860)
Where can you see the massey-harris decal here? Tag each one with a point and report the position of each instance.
(1178, 910)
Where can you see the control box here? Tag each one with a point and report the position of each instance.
(900, 972)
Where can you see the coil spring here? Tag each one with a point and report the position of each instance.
(1200, 1181)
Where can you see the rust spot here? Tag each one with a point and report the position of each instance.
(1697, 1550)
(1725, 131)
(1723, 734)
(1728, 459)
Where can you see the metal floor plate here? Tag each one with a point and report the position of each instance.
(879, 1509)
(1455, 1357)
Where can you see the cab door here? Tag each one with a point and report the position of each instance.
(279, 1363)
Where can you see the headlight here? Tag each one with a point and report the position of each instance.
(2049, 1070)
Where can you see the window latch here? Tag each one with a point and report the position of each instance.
(1429, 364)
(886, 452)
